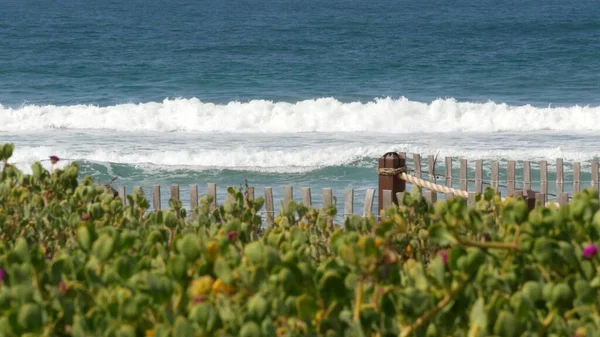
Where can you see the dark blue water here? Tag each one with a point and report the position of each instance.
(61, 59)
(67, 52)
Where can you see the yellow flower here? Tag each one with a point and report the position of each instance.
(213, 249)
(201, 286)
(149, 333)
(281, 332)
(378, 242)
(219, 286)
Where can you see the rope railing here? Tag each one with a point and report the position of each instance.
(442, 176)
(401, 173)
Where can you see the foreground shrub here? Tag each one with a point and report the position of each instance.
(75, 261)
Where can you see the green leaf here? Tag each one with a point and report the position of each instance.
(189, 247)
(126, 331)
(268, 328)
(544, 250)
(37, 170)
(222, 270)
(257, 307)
(171, 220)
(30, 318)
(474, 259)
(250, 329)
(595, 283)
(4, 299)
(7, 151)
(562, 296)
(80, 326)
(584, 292)
(478, 315)
(103, 248)
(331, 285)
(440, 235)
(183, 328)
(255, 252)
(532, 291)
(205, 315)
(439, 270)
(84, 238)
(22, 249)
(298, 235)
(455, 254)
(306, 307)
(370, 249)
(177, 267)
(567, 253)
(272, 258)
(506, 325)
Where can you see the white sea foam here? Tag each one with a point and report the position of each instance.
(321, 115)
(253, 159)
(275, 160)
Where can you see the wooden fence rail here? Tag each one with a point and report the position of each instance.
(269, 206)
(530, 180)
(523, 185)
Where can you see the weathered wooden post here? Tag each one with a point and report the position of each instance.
(388, 179)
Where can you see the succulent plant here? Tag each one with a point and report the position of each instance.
(76, 261)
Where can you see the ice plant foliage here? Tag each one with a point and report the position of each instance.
(76, 261)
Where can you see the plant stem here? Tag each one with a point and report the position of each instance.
(492, 245)
(545, 323)
(429, 314)
(474, 331)
(358, 302)
(517, 234)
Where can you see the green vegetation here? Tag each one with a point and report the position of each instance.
(74, 261)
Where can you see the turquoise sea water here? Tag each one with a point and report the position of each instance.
(302, 93)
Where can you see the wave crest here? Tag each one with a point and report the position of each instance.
(319, 115)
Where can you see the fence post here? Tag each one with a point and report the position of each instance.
(390, 160)
(123, 194)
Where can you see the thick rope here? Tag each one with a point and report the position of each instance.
(401, 173)
(434, 187)
(391, 171)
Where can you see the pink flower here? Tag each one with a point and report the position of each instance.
(590, 251)
(85, 217)
(232, 235)
(198, 299)
(54, 159)
(62, 287)
(444, 255)
(2, 274)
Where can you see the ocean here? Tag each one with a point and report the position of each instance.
(300, 93)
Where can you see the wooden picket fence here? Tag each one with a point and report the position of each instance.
(508, 178)
(269, 205)
(509, 183)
